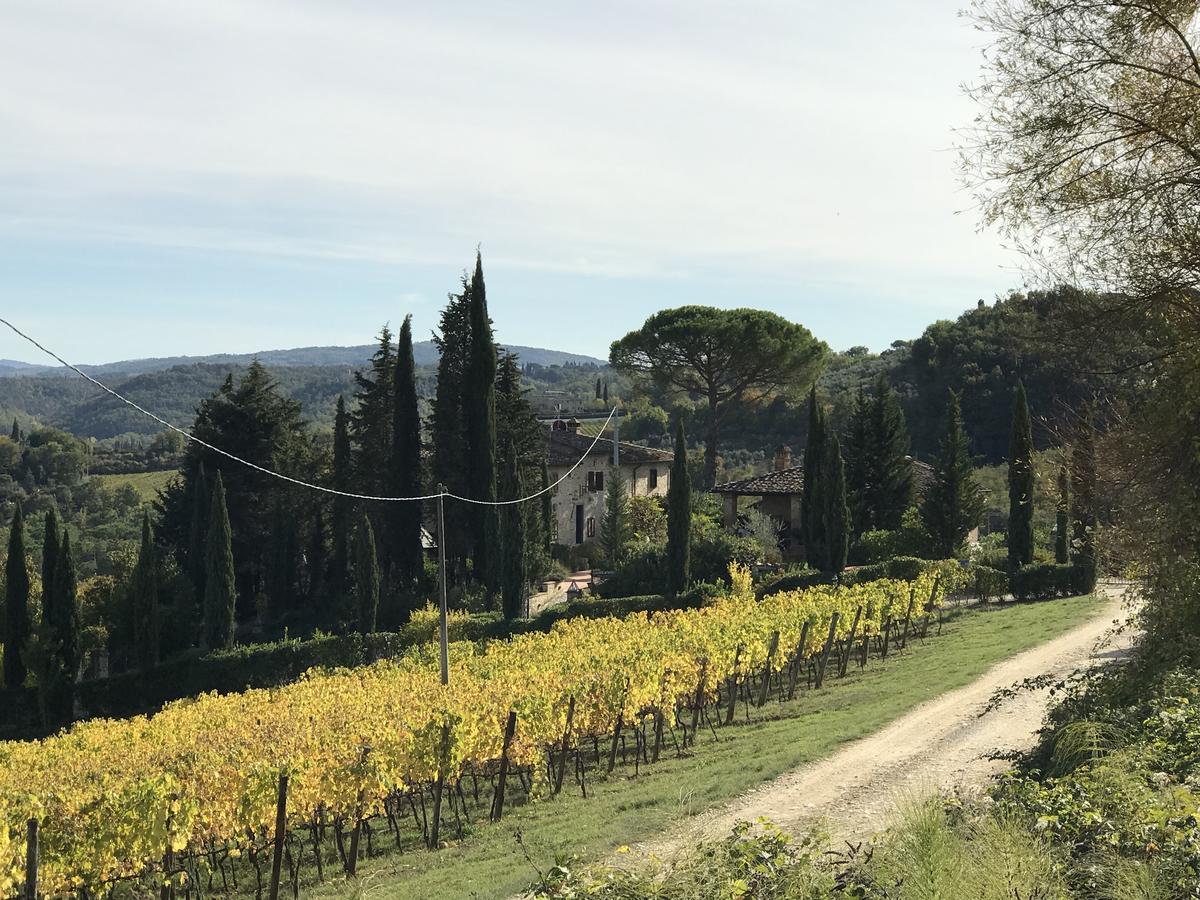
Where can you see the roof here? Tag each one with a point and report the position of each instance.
(791, 481)
(566, 449)
(781, 481)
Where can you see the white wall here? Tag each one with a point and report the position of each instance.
(573, 492)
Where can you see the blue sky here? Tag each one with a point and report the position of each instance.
(227, 176)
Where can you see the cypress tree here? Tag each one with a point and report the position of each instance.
(953, 504)
(857, 450)
(406, 462)
(598, 394)
(1020, 484)
(16, 606)
(835, 512)
(284, 564)
(366, 576)
(372, 420)
(66, 603)
(51, 544)
(197, 561)
(614, 529)
(220, 588)
(343, 479)
(448, 422)
(1083, 504)
(1062, 519)
(145, 600)
(513, 574)
(547, 508)
(480, 408)
(679, 518)
(606, 393)
(812, 499)
(889, 470)
(16, 432)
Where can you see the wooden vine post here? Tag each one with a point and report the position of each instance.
(833, 624)
(844, 662)
(912, 596)
(510, 729)
(31, 860)
(698, 702)
(798, 661)
(612, 753)
(356, 834)
(280, 835)
(766, 675)
(566, 743)
(732, 683)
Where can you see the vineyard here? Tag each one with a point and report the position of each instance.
(185, 800)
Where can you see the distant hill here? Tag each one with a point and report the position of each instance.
(173, 387)
(424, 352)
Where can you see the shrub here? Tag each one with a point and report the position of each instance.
(989, 583)
(1042, 582)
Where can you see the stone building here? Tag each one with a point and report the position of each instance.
(578, 504)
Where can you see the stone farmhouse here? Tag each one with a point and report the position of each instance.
(578, 504)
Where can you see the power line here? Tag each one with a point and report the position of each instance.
(289, 479)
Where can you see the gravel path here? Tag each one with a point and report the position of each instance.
(939, 745)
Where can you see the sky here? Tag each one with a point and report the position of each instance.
(191, 178)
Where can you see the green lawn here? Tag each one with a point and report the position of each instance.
(146, 483)
(491, 863)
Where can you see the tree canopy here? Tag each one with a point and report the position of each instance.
(732, 358)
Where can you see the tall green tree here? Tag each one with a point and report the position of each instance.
(890, 475)
(372, 418)
(480, 409)
(547, 510)
(51, 545)
(1020, 484)
(448, 428)
(220, 585)
(614, 528)
(812, 499)
(734, 359)
(195, 557)
(283, 587)
(17, 624)
(366, 575)
(1083, 503)
(953, 504)
(514, 559)
(406, 463)
(857, 456)
(1062, 519)
(66, 604)
(835, 511)
(343, 507)
(146, 625)
(16, 432)
(679, 518)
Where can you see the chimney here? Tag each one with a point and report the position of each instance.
(573, 425)
(559, 425)
(783, 458)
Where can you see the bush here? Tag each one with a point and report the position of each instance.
(901, 568)
(875, 547)
(1042, 582)
(989, 583)
(794, 580)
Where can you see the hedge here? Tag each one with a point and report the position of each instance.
(1042, 582)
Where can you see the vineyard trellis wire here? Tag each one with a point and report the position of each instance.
(183, 800)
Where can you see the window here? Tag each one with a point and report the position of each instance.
(595, 481)
(591, 527)
(652, 480)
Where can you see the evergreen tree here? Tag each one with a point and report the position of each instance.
(16, 432)
(16, 606)
(196, 559)
(343, 480)
(1020, 484)
(889, 476)
(372, 420)
(51, 544)
(480, 408)
(66, 603)
(513, 563)
(812, 499)
(679, 519)
(406, 463)
(614, 529)
(282, 573)
(953, 504)
(606, 393)
(835, 512)
(1062, 519)
(145, 600)
(1083, 504)
(598, 391)
(220, 587)
(366, 576)
(448, 421)
(857, 450)
(547, 508)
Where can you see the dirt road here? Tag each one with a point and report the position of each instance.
(939, 745)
